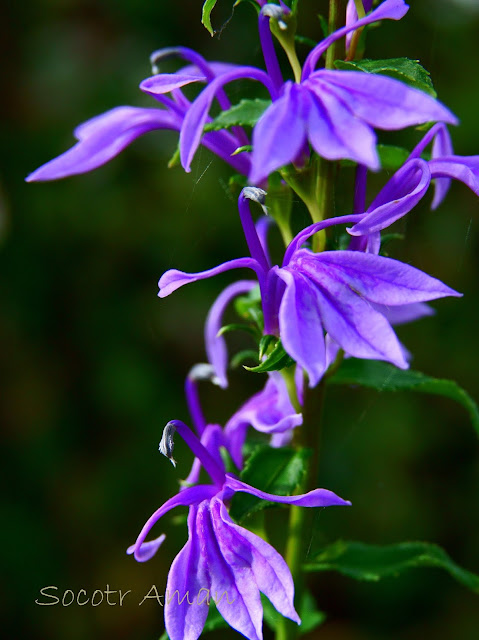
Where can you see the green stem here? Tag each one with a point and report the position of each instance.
(337, 18)
(300, 518)
(317, 193)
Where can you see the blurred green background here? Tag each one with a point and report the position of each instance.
(93, 362)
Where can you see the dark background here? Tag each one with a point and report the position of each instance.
(93, 362)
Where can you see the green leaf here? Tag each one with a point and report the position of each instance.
(276, 360)
(208, 7)
(404, 69)
(244, 114)
(392, 157)
(383, 376)
(373, 562)
(277, 471)
(236, 326)
(246, 147)
(241, 356)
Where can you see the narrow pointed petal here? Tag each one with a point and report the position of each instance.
(405, 313)
(384, 102)
(197, 115)
(236, 595)
(375, 278)
(315, 498)
(399, 196)
(189, 496)
(351, 321)
(270, 571)
(216, 345)
(388, 10)
(441, 147)
(300, 325)
(173, 279)
(463, 168)
(335, 132)
(147, 550)
(102, 138)
(279, 134)
(166, 82)
(185, 617)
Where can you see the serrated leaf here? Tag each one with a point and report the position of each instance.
(383, 376)
(392, 157)
(276, 360)
(373, 562)
(277, 471)
(244, 114)
(404, 69)
(208, 7)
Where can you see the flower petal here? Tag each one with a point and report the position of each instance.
(351, 321)
(185, 608)
(279, 134)
(270, 571)
(300, 324)
(216, 345)
(147, 550)
(384, 102)
(235, 593)
(334, 131)
(173, 279)
(375, 278)
(189, 496)
(102, 138)
(399, 195)
(463, 168)
(315, 498)
(166, 82)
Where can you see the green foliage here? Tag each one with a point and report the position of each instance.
(404, 69)
(208, 7)
(244, 114)
(373, 562)
(278, 471)
(391, 157)
(248, 307)
(310, 616)
(276, 359)
(383, 376)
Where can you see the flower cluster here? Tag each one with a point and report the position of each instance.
(323, 301)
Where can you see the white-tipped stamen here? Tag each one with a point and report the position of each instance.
(203, 371)
(256, 195)
(276, 12)
(167, 443)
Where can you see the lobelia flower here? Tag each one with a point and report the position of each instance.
(105, 136)
(409, 185)
(333, 291)
(334, 110)
(221, 558)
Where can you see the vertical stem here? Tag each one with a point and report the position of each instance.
(300, 518)
(309, 433)
(337, 18)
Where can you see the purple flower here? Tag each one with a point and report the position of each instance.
(103, 137)
(221, 560)
(332, 292)
(268, 411)
(335, 111)
(409, 185)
